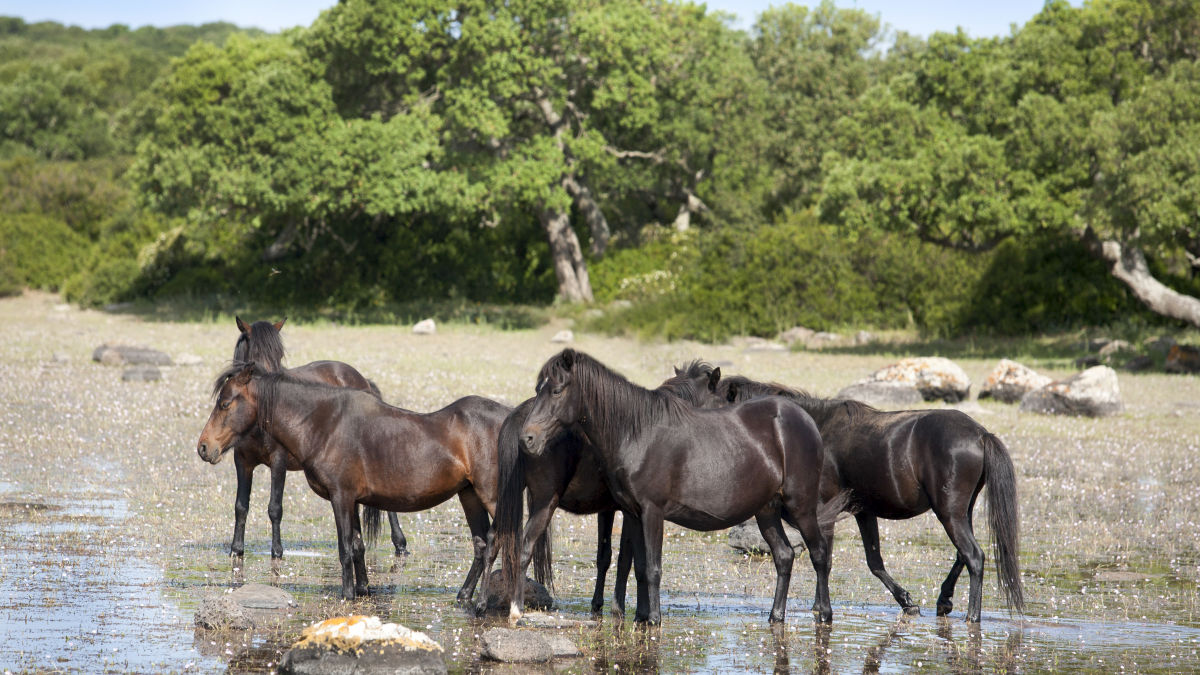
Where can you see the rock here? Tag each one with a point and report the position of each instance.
(1113, 347)
(863, 337)
(796, 334)
(937, 378)
(425, 327)
(1139, 364)
(536, 595)
(1089, 361)
(141, 374)
(1183, 359)
(60, 357)
(111, 354)
(562, 647)
(1092, 393)
(512, 644)
(746, 537)
(883, 394)
(189, 360)
(218, 611)
(563, 336)
(362, 644)
(248, 606)
(1009, 381)
(1160, 345)
(538, 619)
(822, 339)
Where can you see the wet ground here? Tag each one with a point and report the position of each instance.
(112, 529)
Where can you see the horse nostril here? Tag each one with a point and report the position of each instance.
(202, 449)
(527, 440)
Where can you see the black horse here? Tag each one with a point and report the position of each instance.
(664, 459)
(261, 343)
(356, 449)
(901, 464)
(567, 476)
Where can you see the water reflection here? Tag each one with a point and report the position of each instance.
(875, 654)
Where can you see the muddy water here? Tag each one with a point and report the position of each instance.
(112, 530)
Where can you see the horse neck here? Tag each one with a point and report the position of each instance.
(616, 409)
(286, 415)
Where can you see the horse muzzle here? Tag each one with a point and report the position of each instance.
(212, 454)
(533, 440)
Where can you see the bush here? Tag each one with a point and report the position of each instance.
(39, 251)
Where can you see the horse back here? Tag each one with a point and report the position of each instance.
(334, 373)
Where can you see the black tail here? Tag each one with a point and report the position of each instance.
(1003, 518)
(835, 509)
(543, 556)
(509, 507)
(370, 516)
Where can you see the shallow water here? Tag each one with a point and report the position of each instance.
(112, 530)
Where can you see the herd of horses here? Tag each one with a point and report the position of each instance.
(701, 451)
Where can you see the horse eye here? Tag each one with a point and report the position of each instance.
(557, 390)
(225, 404)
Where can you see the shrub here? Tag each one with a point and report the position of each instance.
(40, 251)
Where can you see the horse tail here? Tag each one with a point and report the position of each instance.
(509, 503)
(1004, 518)
(370, 530)
(830, 511)
(543, 555)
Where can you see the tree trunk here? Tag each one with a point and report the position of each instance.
(586, 203)
(1128, 265)
(569, 266)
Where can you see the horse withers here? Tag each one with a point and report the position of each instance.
(354, 448)
(664, 459)
(898, 465)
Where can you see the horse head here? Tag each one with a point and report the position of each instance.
(557, 404)
(695, 383)
(234, 414)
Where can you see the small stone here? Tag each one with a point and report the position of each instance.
(141, 374)
(1113, 347)
(563, 336)
(362, 644)
(562, 647)
(1009, 381)
(937, 378)
(425, 327)
(111, 354)
(1139, 364)
(218, 611)
(796, 334)
(883, 394)
(863, 337)
(515, 645)
(261, 596)
(536, 595)
(1093, 393)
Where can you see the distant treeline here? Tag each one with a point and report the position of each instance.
(819, 169)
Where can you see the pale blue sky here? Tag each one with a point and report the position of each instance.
(920, 17)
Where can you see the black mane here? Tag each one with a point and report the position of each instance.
(263, 344)
(820, 408)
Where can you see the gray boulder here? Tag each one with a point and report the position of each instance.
(362, 644)
(1093, 393)
(425, 327)
(247, 606)
(515, 645)
(1009, 381)
(562, 646)
(937, 378)
(746, 537)
(112, 354)
(883, 394)
(563, 337)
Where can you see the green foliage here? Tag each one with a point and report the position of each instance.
(39, 251)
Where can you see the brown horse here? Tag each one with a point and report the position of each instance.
(663, 459)
(261, 343)
(901, 464)
(355, 449)
(566, 477)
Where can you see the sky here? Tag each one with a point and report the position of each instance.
(920, 17)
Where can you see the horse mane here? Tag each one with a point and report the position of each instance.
(683, 383)
(639, 407)
(819, 408)
(263, 344)
(268, 384)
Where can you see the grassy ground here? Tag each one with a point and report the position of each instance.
(1109, 511)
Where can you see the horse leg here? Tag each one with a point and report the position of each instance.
(630, 536)
(945, 601)
(241, 506)
(359, 549)
(782, 553)
(279, 462)
(603, 556)
(804, 518)
(480, 523)
(399, 541)
(652, 541)
(958, 527)
(343, 518)
(868, 527)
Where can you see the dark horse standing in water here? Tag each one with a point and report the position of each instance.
(260, 342)
(356, 449)
(566, 476)
(663, 459)
(901, 464)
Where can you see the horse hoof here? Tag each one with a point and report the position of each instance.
(912, 610)
(944, 609)
(401, 552)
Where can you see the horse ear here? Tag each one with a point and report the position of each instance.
(244, 375)
(713, 378)
(241, 324)
(567, 359)
(731, 390)
(279, 324)
(677, 371)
